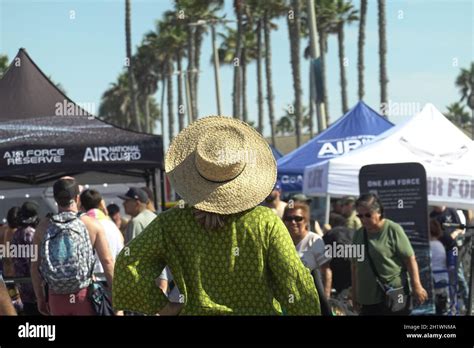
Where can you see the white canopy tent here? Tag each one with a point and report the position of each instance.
(428, 138)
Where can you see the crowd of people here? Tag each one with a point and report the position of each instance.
(234, 247)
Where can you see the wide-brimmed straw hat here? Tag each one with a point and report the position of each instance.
(221, 165)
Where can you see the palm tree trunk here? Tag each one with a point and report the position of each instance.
(237, 64)
(322, 44)
(342, 68)
(131, 77)
(259, 76)
(190, 73)
(162, 106)
(361, 43)
(472, 124)
(383, 55)
(197, 62)
(147, 113)
(179, 80)
(294, 32)
(244, 86)
(268, 70)
(170, 100)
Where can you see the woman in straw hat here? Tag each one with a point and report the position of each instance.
(227, 254)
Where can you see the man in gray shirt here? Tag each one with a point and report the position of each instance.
(134, 203)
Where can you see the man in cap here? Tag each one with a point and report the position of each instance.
(274, 202)
(135, 203)
(66, 194)
(348, 211)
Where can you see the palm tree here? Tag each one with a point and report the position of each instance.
(3, 64)
(116, 105)
(383, 55)
(194, 11)
(286, 123)
(238, 8)
(255, 16)
(361, 43)
(325, 17)
(259, 76)
(176, 42)
(226, 53)
(131, 76)
(457, 114)
(465, 83)
(345, 14)
(144, 62)
(294, 31)
(271, 10)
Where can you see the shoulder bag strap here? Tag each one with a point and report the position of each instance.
(371, 263)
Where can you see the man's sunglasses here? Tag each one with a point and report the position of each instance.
(294, 217)
(366, 215)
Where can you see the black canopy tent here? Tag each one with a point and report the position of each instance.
(44, 135)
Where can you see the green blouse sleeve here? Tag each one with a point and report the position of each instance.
(293, 284)
(136, 269)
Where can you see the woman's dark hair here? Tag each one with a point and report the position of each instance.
(28, 215)
(113, 209)
(12, 217)
(435, 228)
(336, 220)
(371, 202)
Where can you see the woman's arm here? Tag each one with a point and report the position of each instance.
(326, 273)
(355, 304)
(419, 292)
(6, 306)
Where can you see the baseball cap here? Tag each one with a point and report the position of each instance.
(347, 200)
(300, 197)
(135, 193)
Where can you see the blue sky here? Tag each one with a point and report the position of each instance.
(428, 42)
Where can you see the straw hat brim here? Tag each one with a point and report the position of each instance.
(245, 191)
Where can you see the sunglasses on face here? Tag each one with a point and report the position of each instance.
(366, 215)
(294, 218)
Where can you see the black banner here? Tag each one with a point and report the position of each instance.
(137, 331)
(402, 190)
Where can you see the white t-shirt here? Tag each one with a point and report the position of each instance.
(174, 295)
(311, 251)
(115, 241)
(438, 261)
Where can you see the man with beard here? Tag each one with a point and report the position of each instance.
(274, 202)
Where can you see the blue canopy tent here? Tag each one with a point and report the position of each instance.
(358, 126)
(277, 154)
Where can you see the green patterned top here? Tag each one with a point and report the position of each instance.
(240, 269)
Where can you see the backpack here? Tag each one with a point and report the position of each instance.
(67, 255)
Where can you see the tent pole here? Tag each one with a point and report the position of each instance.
(153, 181)
(328, 208)
(162, 190)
